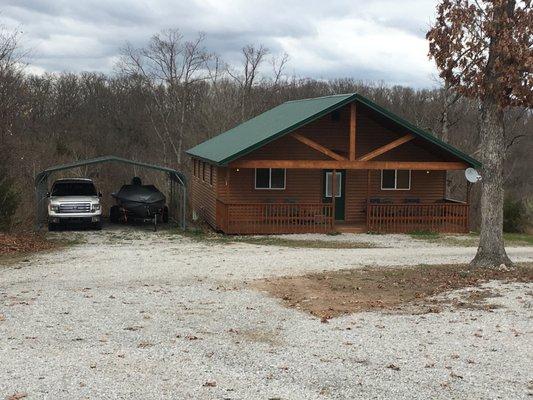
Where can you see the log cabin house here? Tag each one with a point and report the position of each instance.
(278, 172)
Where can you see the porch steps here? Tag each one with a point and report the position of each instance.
(350, 228)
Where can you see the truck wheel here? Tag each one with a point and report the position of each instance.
(114, 214)
(97, 226)
(52, 227)
(165, 214)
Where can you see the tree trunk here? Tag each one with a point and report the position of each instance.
(491, 251)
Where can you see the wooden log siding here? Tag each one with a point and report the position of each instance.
(204, 194)
(404, 218)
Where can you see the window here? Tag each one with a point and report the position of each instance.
(74, 188)
(338, 184)
(395, 179)
(335, 116)
(211, 175)
(270, 178)
(203, 171)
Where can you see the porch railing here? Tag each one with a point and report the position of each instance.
(403, 218)
(273, 218)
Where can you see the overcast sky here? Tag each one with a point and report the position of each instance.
(368, 40)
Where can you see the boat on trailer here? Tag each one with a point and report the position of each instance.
(139, 202)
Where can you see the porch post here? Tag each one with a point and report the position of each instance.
(367, 197)
(333, 194)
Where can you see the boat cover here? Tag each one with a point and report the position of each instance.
(147, 194)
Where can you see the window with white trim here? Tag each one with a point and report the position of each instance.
(395, 179)
(270, 178)
(338, 184)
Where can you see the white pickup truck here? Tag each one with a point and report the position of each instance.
(74, 201)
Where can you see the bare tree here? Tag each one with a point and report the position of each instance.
(278, 67)
(11, 54)
(253, 57)
(483, 50)
(171, 67)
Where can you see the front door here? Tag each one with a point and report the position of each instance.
(340, 177)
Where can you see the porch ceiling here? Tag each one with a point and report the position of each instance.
(346, 164)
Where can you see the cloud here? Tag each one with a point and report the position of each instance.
(379, 40)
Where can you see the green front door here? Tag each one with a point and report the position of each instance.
(340, 185)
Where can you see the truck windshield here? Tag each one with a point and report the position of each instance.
(74, 189)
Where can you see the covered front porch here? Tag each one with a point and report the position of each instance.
(362, 202)
(277, 218)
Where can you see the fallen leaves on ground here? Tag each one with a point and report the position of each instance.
(17, 396)
(16, 243)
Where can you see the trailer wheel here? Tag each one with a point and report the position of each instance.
(165, 214)
(114, 214)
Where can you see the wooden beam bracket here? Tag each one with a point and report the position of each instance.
(318, 147)
(388, 147)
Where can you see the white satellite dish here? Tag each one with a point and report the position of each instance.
(472, 175)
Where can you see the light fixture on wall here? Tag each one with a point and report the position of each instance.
(237, 169)
(427, 172)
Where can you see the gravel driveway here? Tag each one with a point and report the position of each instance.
(137, 315)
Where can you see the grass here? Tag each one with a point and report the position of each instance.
(424, 235)
(215, 238)
(471, 239)
(301, 243)
(523, 239)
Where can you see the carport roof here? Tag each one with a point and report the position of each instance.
(97, 160)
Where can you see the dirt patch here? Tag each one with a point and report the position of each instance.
(333, 293)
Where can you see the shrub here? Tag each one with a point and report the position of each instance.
(9, 201)
(514, 216)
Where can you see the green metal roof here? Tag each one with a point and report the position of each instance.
(289, 116)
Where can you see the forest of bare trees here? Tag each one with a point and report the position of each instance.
(174, 93)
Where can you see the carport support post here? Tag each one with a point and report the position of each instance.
(183, 206)
(41, 186)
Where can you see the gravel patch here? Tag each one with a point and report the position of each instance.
(133, 314)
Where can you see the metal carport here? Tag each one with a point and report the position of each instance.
(178, 187)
